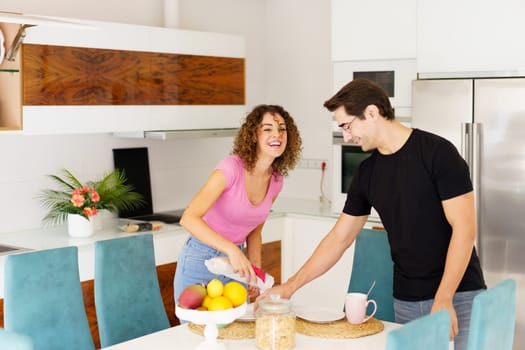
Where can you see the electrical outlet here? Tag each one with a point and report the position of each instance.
(311, 163)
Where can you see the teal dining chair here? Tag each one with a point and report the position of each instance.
(43, 299)
(429, 332)
(14, 341)
(493, 318)
(373, 262)
(128, 301)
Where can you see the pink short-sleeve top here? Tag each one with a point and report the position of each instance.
(233, 215)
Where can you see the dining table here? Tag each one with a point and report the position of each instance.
(181, 337)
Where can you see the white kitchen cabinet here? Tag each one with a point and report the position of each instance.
(404, 73)
(273, 229)
(302, 235)
(373, 30)
(459, 38)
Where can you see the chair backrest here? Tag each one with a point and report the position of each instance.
(127, 294)
(43, 299)
(14, 341)
(373, 262)
(430, 332)
(493, 318)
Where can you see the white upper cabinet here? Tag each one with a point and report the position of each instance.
(373, 29)
(457, 38)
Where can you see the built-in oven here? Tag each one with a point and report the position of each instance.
(346, 158)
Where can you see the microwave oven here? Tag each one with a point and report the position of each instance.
(395, 76)
(346, 158)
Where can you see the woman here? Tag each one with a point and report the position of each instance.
(228, 213)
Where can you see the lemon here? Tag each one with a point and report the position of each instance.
(220, 303)
(236, 292)
(214, 288)
(206, 301)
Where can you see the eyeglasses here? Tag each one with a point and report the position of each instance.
(346, 126)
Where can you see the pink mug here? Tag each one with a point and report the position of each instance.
(355, 308)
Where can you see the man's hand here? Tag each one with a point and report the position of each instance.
(284, 291)
(447, 305)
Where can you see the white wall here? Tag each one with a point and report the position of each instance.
(299, 77)
(288, 62)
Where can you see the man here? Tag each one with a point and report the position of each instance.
(421, 188)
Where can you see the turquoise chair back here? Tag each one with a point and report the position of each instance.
(430, 332)
(43, 299)
(127, 294)
(372, 261)
(493, 318)
(14, 341)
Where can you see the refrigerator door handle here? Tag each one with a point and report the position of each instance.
(475, 169)
(466, 142)
(475, 163)
(471, 152)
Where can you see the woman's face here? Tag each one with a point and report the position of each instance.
(271, 136)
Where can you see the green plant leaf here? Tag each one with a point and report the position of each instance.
(115, 195)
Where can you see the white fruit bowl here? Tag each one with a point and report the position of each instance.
(211, 319)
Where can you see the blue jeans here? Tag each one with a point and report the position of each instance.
(409, 310)
(191, 268)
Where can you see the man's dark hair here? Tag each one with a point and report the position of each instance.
(357, 95)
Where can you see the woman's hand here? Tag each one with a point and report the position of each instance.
(253, 292)
(241, 265)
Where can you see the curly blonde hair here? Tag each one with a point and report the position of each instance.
(245, 143)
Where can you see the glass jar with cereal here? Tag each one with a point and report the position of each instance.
(275, 324)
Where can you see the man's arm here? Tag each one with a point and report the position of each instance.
(327, 253)
(461, 215)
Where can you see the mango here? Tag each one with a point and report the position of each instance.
(192, 296)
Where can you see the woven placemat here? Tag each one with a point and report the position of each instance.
(340, 329)
(235, 330)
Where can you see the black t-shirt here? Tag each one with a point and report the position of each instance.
(407, 188)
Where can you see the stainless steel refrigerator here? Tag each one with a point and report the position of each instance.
(485, 119)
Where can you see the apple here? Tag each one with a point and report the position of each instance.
(192, 296)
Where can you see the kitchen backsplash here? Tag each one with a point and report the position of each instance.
(178, 169)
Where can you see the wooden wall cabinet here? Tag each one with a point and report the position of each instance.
(108, 77)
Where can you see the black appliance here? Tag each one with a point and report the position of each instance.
(135, 163)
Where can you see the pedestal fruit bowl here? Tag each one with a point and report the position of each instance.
(210, 319)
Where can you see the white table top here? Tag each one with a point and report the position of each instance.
(181, 337)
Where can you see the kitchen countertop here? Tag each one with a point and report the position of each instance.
(302, 207)
(168, 240)
(54, 237)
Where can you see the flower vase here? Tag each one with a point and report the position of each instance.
(79, 226)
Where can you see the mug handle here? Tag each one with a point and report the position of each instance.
(373, 312)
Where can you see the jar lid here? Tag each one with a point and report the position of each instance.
(275, 304)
